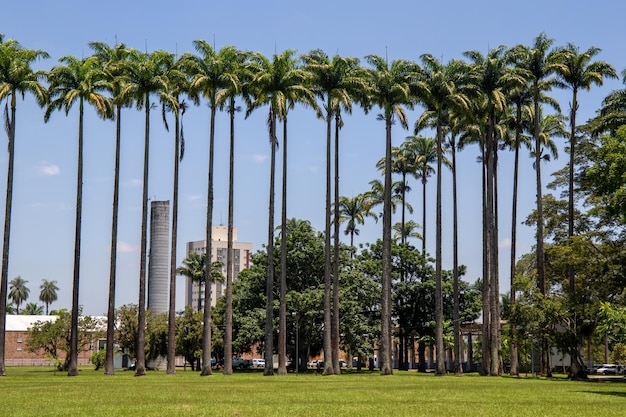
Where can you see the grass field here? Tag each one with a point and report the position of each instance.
(42, 392)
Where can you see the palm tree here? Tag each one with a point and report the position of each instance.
(281, 84)
(354, 211)
(239, 77)
(193, 268)
(146, 75)
(390, 89)
(16, 78)
(491, 76)
(438, 92)
(18, 292)
(32, 309)
(178, 83)
(424, 152)
(111, 59)
(48, 293)
(209, 80)
(335, 82)
(576, 71)
(77, 81)
(406, 230)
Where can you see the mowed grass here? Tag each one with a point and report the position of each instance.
(42, 392)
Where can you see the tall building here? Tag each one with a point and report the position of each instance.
(219, 252)
(159, 256)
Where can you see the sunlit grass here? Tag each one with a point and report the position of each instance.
(42, 392)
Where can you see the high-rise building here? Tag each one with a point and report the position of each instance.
(159, 256)
(219, 252)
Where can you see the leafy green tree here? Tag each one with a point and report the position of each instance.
(32, 309)
(112, 61)
(54, 337)
(189, 325)
(576, 71)
(77, 81)
(18, 292)
(48, 293)
(607, 175)
(155, 333)
(17, 77)
(390, 89)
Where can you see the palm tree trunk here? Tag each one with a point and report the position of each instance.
(228, 316)
(109, 368)
(385, 364)
(328, 322)
(441, 367)
(282, 309)
(206, 334)
(458, 370)
(486, 327)
(7, 233)
(73, 363)
(513, 345)
(495, 284)
(140, 370)
(335, 335)
(269, 284)
(570, 202)
(171, 321)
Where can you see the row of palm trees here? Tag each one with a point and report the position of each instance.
(472, 101)
(19, 292)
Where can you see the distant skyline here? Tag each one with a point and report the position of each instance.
(45, 173)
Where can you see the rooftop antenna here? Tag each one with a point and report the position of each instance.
(116, 39)
(386, 57)
(146, 41)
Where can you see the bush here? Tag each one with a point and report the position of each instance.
(98, 358)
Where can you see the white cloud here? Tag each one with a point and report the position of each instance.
(47, 169)
(195, 197)
(258, 158)
(125, 247)
(504, 243)
(135, 182)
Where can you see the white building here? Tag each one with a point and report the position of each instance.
(219, 252)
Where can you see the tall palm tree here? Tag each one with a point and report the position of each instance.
(111, 59)
(146, 75)
(390, 89)
(438, 92)
(209, 80)
(18, 292)
(541, 64)
(491, 76)
(281, 84)
(48, 293)
(335, 81)
(78, 81)
(178, 83)
(354, 211)
(239, 76)
(576, 70)
(406, 230)
(17, 77)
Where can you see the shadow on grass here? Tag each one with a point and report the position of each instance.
(619, 394)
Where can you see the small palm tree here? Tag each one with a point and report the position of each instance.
(32, 309)
(194, 266)
(77, 81)
(16, 78)
(48, 293)
(354, 211)
(18, 292)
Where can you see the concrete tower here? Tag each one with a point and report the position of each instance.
(159, 255)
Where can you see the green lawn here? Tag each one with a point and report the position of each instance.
(42, 392)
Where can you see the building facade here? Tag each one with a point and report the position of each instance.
(159, 257)
(219, 252)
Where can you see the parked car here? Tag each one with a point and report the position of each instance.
(610, 369)
(241, 363)
(258, 363)
(343, 363)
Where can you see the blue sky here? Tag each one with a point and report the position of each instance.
(45, 172)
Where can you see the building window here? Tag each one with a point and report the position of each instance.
(19, 349)
(19, 339)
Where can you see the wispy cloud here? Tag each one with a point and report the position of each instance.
(504, 243)
(195, 197)
(48, 169)
(134, 182)
(258, 158)
(125, 247)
